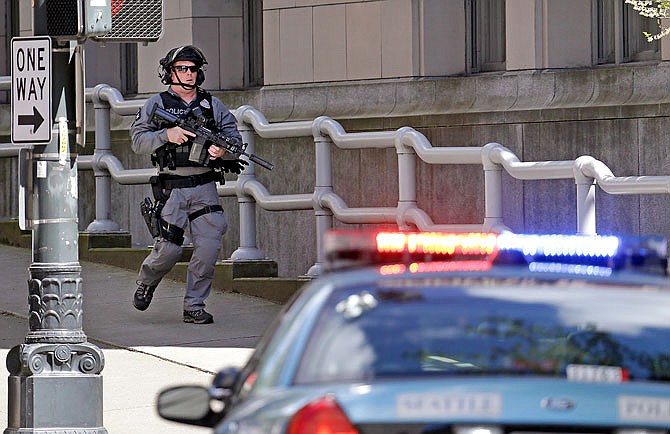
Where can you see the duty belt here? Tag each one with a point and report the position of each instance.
(169, 182)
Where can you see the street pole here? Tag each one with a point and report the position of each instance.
(55, 385)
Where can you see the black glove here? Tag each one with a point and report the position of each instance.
(233, 166)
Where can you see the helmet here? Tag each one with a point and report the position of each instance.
(185, 52)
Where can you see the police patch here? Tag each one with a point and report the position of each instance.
(205, 104)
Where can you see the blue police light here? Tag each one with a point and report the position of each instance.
(560, 245)
(593, 255)
(579, 269)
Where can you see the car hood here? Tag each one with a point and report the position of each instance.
(417, 405)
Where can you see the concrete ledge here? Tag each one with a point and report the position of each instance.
(276, 289)
(11, 235)
(255, 278)
(239, 269)
(92, 240)
(127, 258)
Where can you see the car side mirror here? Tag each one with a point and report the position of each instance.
(187, 404)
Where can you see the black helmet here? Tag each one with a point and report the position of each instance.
(186, 52)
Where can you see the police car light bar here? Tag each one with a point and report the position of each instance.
(560, 245)
(435, 243)
(346, 248)
(597, 254)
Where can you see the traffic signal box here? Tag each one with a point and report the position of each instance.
(101, 20)
(134, 21)
(73, 19)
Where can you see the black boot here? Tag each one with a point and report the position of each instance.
(143, 295)
(198, 317)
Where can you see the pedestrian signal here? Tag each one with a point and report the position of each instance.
(134, 21)
(73, 19)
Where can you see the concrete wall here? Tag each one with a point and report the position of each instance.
(312, 41)
(316, 41)
(382, 65)
(215, 26)
(616, 115)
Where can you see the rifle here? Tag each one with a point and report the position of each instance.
(194, 124)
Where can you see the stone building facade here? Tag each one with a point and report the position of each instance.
(548, 79)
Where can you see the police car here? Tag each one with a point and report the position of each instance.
(458, 334)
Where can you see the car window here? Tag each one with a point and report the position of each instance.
(267, 365)
(582, 331)
(249, 373)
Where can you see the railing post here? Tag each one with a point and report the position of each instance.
(323, 157)
(103, 181)
(586, 199)
(406, 179)
(492, 189)
(247, 205)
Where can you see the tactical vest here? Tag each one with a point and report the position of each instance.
(172, 155)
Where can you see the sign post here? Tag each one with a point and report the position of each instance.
(31, 90)
(55, 382)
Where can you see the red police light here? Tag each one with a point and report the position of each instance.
(346, 248)
(436, 243)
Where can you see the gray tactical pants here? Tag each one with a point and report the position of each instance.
(206, 234)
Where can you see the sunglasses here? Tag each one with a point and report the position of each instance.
(184, 68)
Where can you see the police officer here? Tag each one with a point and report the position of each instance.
(184, 190)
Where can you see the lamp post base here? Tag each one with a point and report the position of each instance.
(55, 389)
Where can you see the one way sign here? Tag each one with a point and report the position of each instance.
(31, 90)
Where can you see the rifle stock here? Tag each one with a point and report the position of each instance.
(204, 135)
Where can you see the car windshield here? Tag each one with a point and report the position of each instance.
(419, 328)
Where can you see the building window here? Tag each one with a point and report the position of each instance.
(128, 64)
(604, 16)
(619, 34)
(253, 41)
(9, 28)
(485, 35)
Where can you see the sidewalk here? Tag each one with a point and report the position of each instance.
(144, 352)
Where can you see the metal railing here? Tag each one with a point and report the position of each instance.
(324, 201)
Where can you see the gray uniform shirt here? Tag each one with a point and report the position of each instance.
(147, 136)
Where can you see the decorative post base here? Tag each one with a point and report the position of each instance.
(55, 385)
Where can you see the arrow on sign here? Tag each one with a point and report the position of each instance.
(35, 119)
